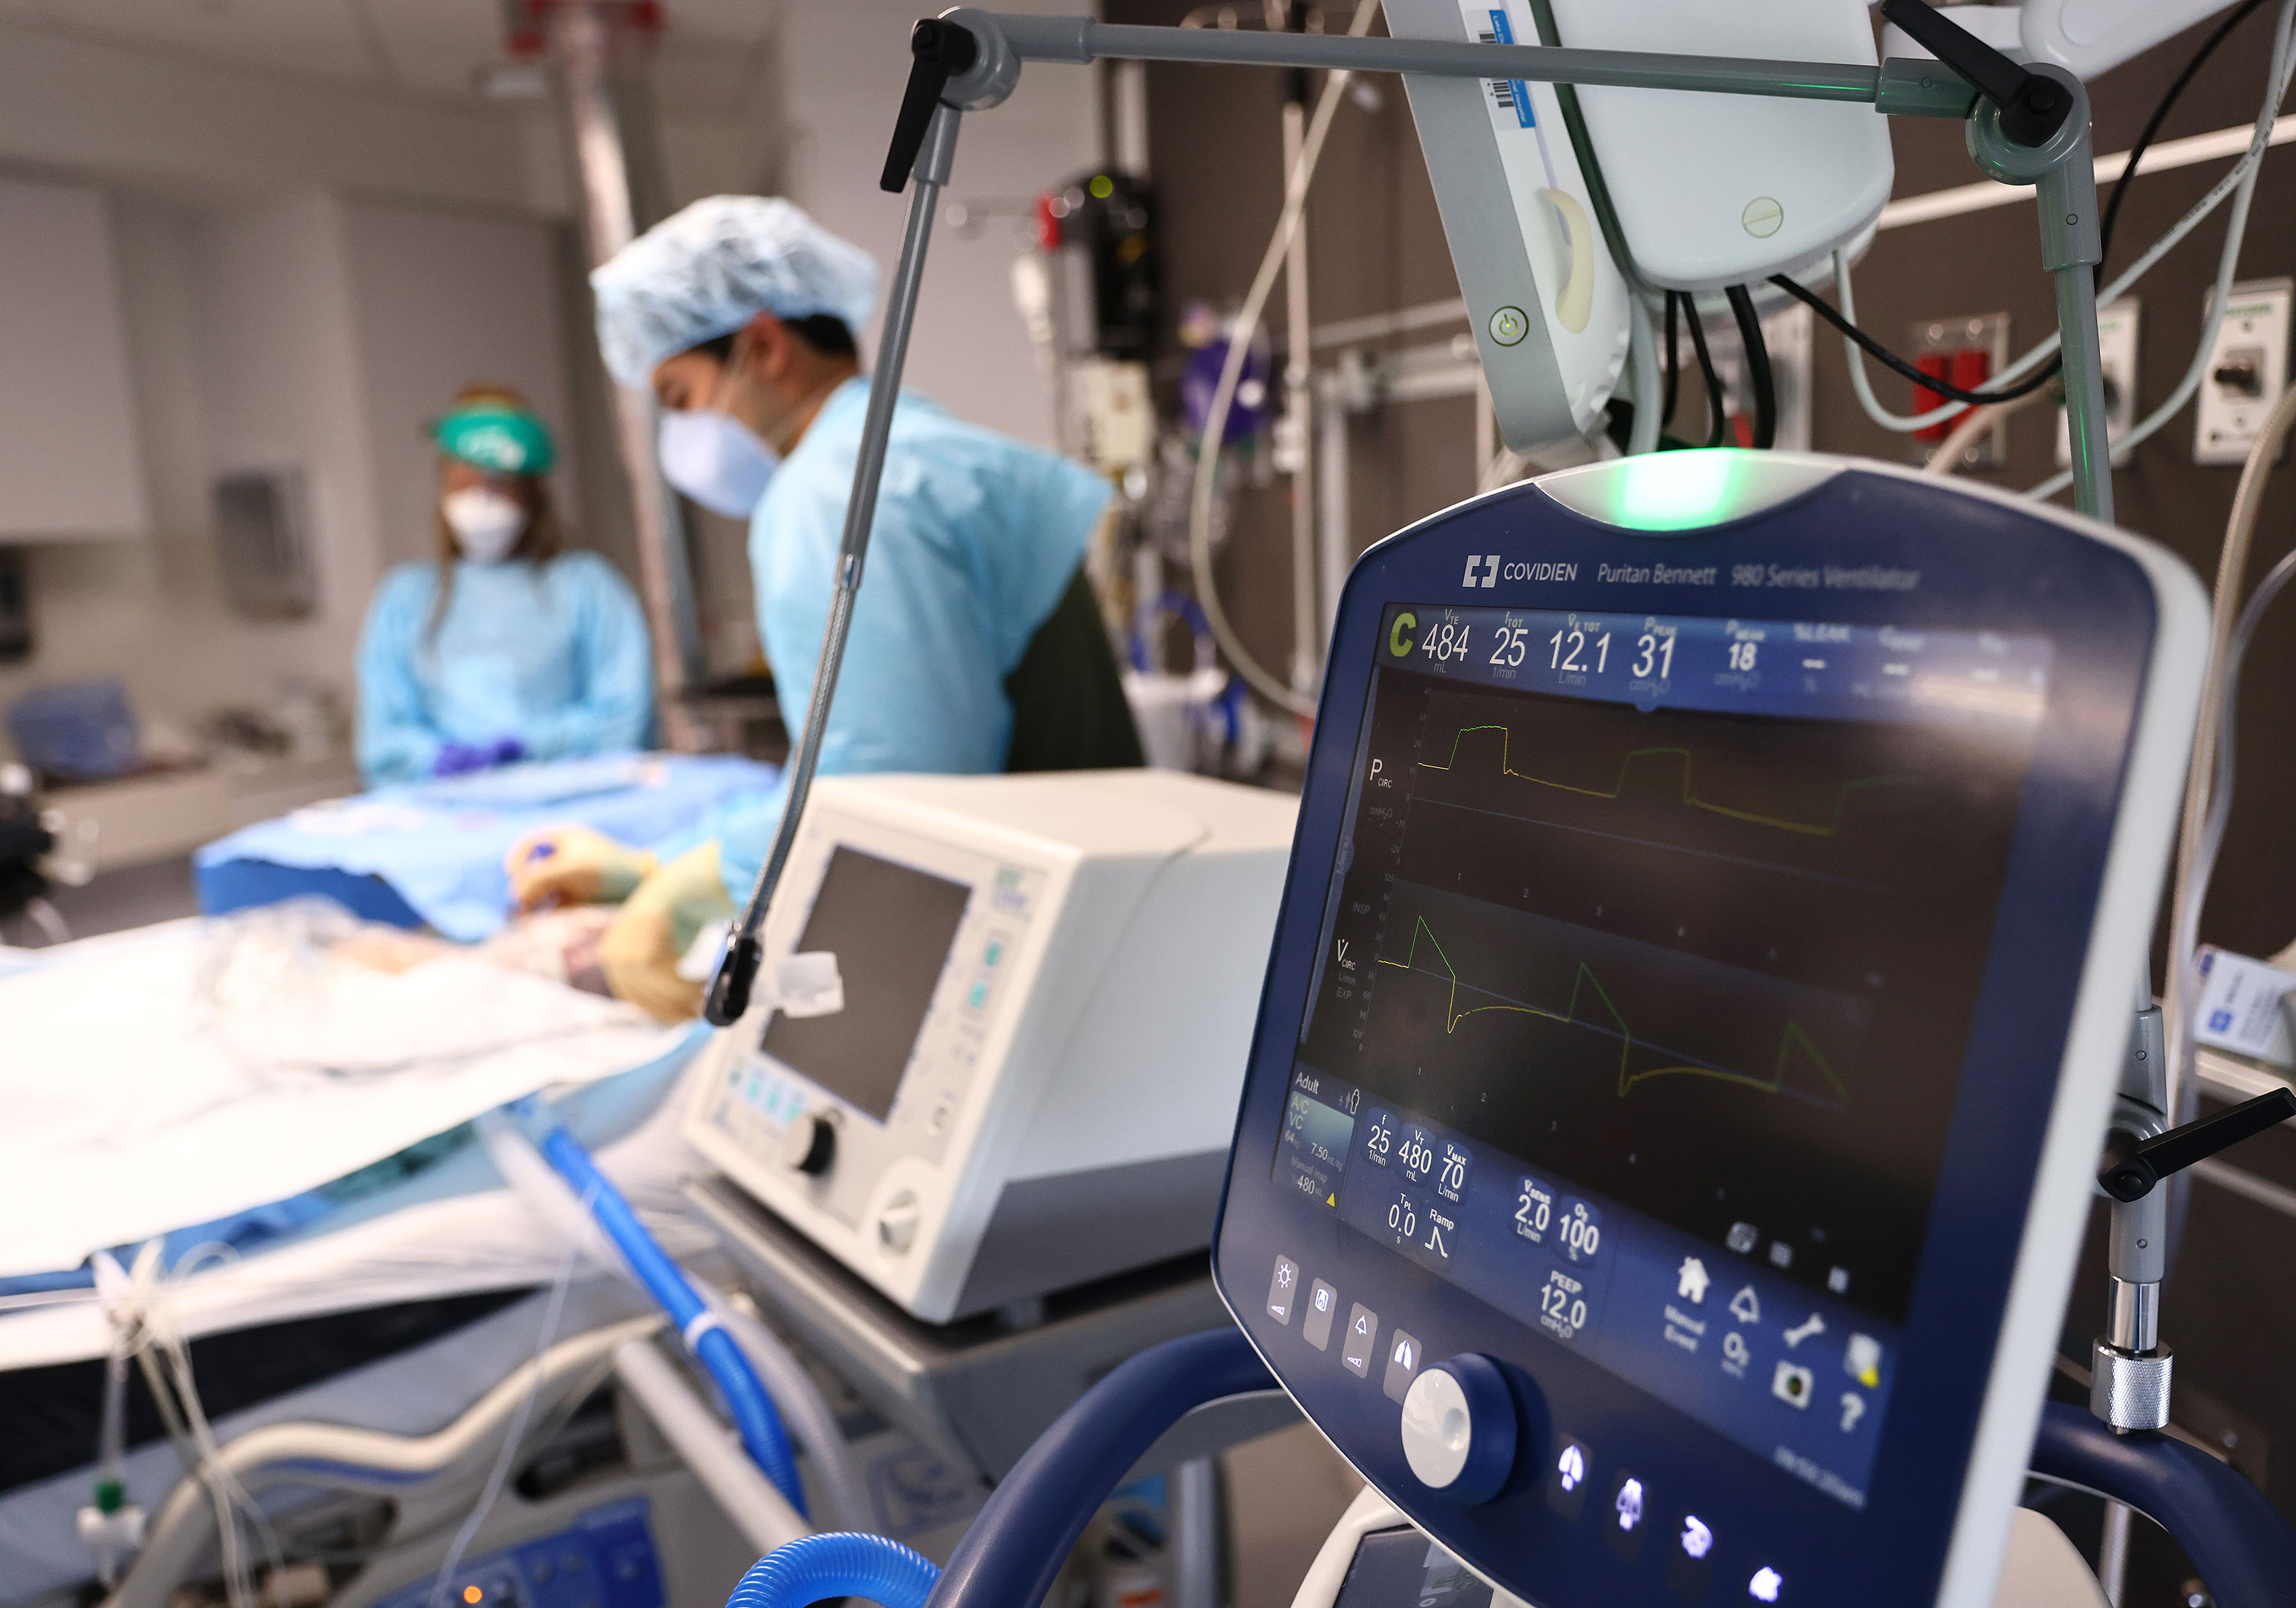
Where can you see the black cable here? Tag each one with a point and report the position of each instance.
(1673, 362)
(1716, 415)
(1758, 379)
(2152, 127)
(1883, 354)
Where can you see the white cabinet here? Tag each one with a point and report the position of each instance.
(70, 467)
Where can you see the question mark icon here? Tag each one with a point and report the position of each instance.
(1853, 1409)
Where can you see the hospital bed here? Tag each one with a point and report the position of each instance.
(430, 853)
(338, 1249)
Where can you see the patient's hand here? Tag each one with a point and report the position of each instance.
(392, 949)
(573, 865)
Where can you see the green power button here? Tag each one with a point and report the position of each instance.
(1509, 325)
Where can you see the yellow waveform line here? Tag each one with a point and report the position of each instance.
(1569, 1016)
(1769, 1086)
(1814, 829)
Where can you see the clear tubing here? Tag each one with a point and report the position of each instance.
(2192, 863)
(1208, 447)
(1649, 379)
(752, 1410)
(808, 1410)
(506, 1458)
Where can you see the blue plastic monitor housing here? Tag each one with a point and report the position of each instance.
(1709, 949)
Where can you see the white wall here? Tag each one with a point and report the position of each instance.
(443, 301)
(282, 380)
(844, 65)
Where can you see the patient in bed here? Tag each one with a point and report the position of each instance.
(562, 945)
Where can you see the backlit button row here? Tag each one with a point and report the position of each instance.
(1629, 1514)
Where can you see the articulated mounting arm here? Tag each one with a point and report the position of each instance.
(2132, 1369)
(2132, 1169)
(2033, 107)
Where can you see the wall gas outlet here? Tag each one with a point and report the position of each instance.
(2116, 342)
(1966, 352)
(2245, 372)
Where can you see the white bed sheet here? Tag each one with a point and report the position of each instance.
(453, 1230)
(183, 1072)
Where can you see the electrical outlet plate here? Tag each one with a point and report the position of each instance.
(2247, 369)
(1989, 332)
(2117, 327)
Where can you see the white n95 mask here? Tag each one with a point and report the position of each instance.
(716, 460)
(486, 524)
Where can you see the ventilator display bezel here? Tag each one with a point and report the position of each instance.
(1982, 565)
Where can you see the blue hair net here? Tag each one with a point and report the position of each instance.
(710, 269)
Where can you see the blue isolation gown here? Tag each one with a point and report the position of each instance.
(553, 655)
(976, 538)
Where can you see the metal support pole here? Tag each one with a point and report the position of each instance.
(2064, 174)
(1334, 539)
(729, 995)
(582, 57)
(1298, 392)
(1195, 1519)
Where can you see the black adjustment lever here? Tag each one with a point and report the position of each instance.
(2131, 1170)
(2033, 107)
(729, 989)
(939, 52)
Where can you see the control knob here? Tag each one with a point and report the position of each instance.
(1460, 1428)
(809, 1143)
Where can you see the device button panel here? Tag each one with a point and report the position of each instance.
(606, 1559)
(1685, 1540)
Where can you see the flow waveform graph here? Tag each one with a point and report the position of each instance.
(1827, 826)
(1792, 1037)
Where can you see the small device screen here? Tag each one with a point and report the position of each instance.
(1646, 981)
(891, 928)
(1403, 1568)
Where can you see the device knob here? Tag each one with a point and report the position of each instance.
(809, 1143)
(1459, 1428)
(896, 1223)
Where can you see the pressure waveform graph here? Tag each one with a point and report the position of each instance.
(1826, 827)
(1584, 981)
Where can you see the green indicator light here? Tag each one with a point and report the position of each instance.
(1677, 490)
(1102, 187)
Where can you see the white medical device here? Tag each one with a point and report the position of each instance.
(1717, 190)
(1548, 305)
(1050, 983)
(2087, 36)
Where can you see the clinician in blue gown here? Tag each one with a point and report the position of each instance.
(977, 643)
(507, 646)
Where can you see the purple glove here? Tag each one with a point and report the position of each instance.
(460, 758)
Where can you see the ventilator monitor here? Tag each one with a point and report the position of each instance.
(1721, 890)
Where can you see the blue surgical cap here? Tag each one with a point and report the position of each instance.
(710, 269)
